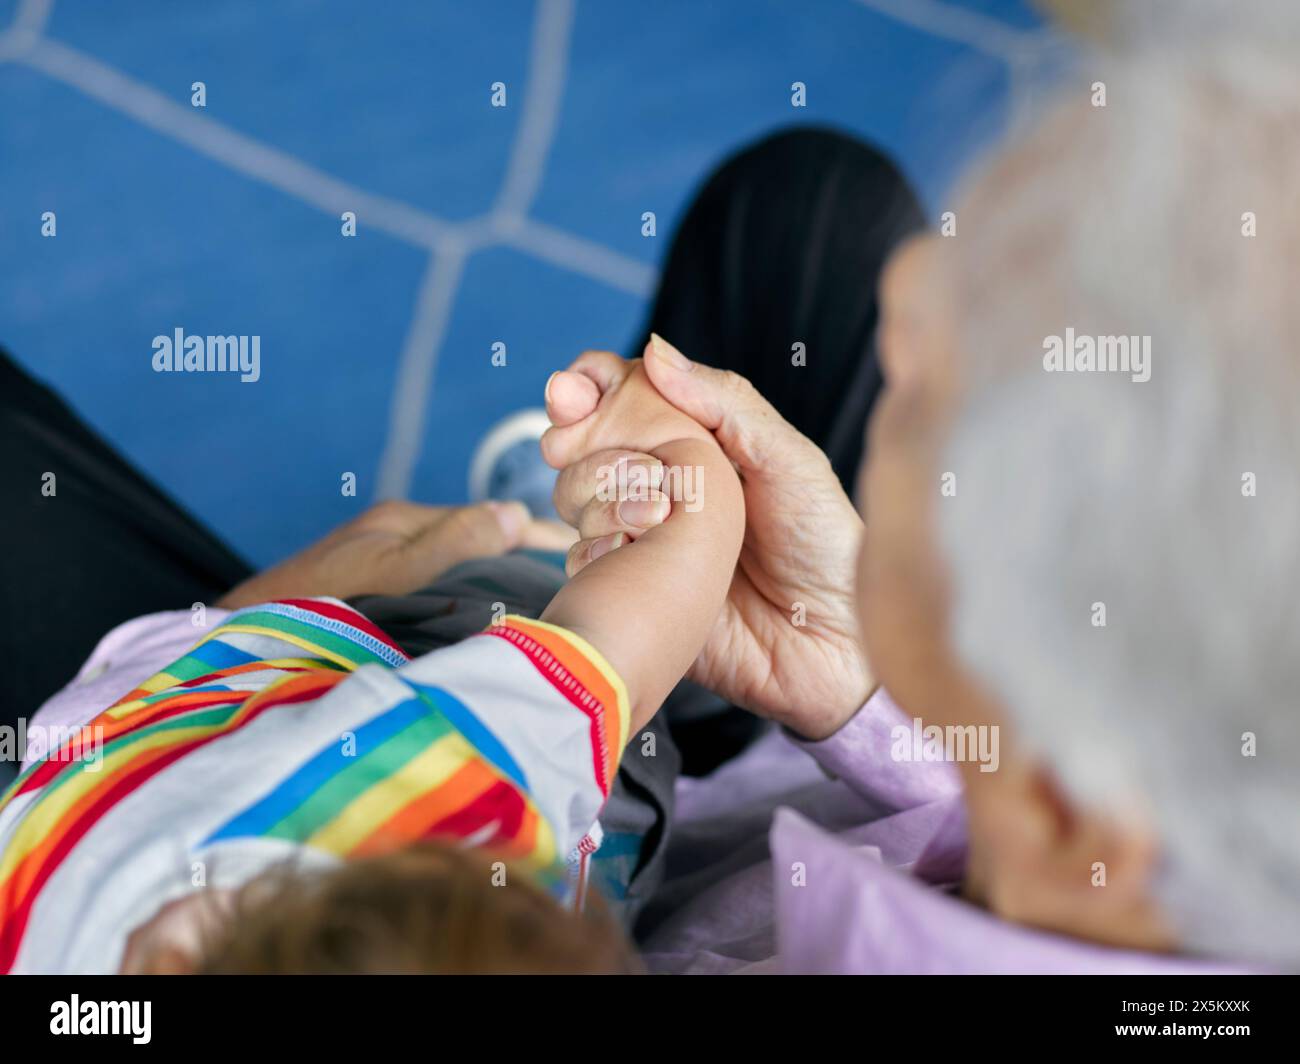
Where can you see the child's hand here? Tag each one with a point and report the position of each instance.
(631, 414)
(649, 606)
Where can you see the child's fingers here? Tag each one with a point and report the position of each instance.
(562, 444)
(602, 474)
(570, 402)
(570, 397)
(603, 368)
(586, 551)
(603, 517)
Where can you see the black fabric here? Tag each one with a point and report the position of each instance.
(784, 244)
(108, 545)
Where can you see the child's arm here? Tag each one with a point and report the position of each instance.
(649, 606)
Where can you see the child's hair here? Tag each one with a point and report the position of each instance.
(431, 909)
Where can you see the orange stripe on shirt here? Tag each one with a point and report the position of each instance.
(414, 819)
(586, 672)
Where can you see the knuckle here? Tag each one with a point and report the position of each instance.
(463, 520)
(598, 518)
(382, 513)
(737, 384)
(596, 358)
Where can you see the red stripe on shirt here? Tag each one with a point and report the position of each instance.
(566, 684)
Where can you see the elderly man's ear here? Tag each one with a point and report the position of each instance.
(1040, 859)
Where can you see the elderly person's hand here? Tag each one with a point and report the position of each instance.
(398, 547)
(786, 645)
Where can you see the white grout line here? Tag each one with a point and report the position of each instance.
(506, 224)
(449, 243)
(241, 153)
(952, 23)
(548, 62)
(282, 171)
(33, 16)
(21, 35)
(413, 384)
(413, 388)
(582, 256)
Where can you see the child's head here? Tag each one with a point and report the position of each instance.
(1104, 561)
(430, 909)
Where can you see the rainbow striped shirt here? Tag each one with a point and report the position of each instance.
(299, 729)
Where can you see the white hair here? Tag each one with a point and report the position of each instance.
(1083, 488)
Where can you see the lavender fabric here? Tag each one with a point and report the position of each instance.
(841, 863)
(122, 660)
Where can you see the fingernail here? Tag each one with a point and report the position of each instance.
(546, 392)
(512, 517)
(643, 513)
(603, 546)
(666, 353)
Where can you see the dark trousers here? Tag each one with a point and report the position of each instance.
(773, 273)
(782, 246)
(86, 542)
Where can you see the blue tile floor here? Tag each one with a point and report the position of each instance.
(476, 225)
